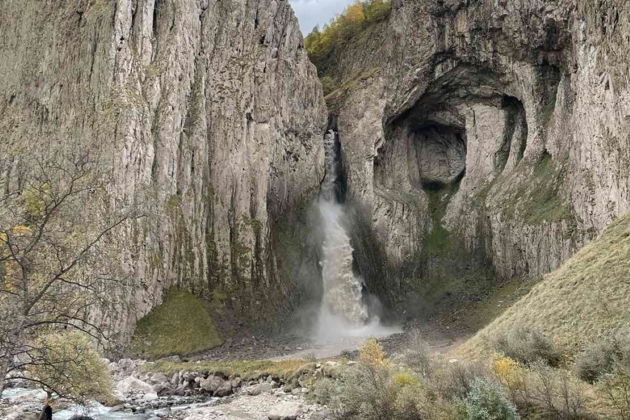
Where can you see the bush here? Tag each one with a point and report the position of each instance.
(509, 373)
(596, 360)
(371, 353)
(527, 346)
(329, 84)
(324, 391)
(487, 401)
(555, 393)
(615, 389)
(68, 364)
(600, 358)
(418, 356)
(453, 381)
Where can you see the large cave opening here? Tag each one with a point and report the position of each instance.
(440, 153)
(437, 162)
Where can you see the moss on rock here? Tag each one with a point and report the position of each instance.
(180, 325)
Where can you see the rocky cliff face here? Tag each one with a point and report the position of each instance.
(498, 129)
(206, 113)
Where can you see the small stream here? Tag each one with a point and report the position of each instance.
(31, 401)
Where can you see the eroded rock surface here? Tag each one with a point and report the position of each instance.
(501, 128)
(207, 114)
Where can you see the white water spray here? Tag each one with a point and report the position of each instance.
(343, 312)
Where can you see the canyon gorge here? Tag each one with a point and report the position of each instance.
(466, 144)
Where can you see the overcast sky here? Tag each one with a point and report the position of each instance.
(317, 12)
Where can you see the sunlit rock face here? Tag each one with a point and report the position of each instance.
(207, 114)
(507, 124)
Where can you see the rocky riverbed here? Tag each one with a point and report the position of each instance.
(185, 395)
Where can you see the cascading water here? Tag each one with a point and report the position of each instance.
(343, 296)
(344, 319)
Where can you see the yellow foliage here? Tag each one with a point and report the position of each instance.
(405, 378)
(345, 26)
(22, 230)
(35, 198)
(72, 366)
(371, 353)
(508, 372)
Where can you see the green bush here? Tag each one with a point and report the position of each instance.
(488, 401)
(527, 346)
(68, 363)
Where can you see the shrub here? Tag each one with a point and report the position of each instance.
(487, 401)
(554, 392)
(371, 353)
(453, 381)
(324, 391)
(596, 360)
(329, 84)
(527, 345)
(417, 357)
(615, 389)
(601, 357)
(381, 391)
(70, 365)
(509, 373)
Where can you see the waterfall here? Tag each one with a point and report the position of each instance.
(342, 299)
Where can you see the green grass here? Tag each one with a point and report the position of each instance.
(586, 297)
(480, 314)
(284, 370)
(537, 198)
(180, 325)
(439, 241)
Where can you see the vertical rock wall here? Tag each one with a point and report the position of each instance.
(538, 96)
(205, 113)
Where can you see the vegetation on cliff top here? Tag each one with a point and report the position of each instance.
(180, 325)
(322, 44)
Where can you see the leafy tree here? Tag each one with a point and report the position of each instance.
(377, 10)
(69, 362)
(53, 232)
(354, 19)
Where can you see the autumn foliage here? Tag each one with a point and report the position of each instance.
(356, 17)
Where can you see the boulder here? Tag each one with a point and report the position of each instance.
(286, 410)
(134, 387)
(260, 388)
(212, 384)
(224, 389)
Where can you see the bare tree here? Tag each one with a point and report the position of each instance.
(53, 228)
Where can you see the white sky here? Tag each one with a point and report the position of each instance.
(317, 12)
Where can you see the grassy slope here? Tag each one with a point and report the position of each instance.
(180, 325)
(587, 296)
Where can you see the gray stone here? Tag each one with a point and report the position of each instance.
(258, 389)
(207, 115)
(285, 410)
(212, 384)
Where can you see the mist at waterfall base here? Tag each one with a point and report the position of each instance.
(346, 310)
